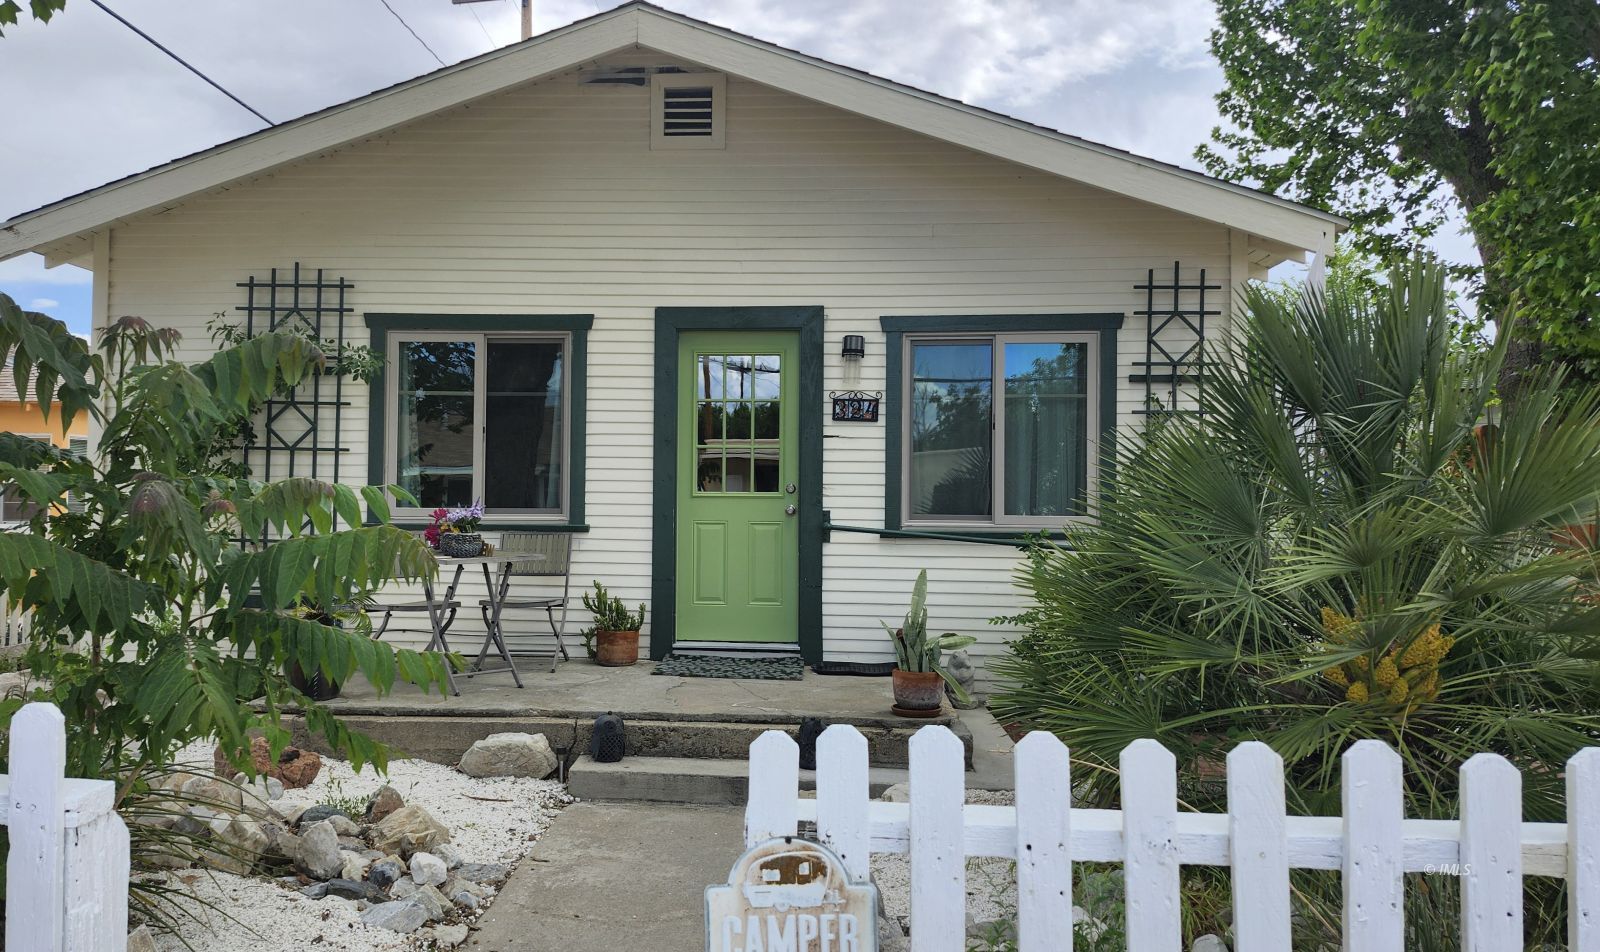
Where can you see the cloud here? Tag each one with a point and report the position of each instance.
(43, 304)
(30, 269)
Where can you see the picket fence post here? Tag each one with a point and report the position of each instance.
(1258, 848)
(67, 870)
(1372, 872)
(1583, 851)
(938, 853)
(774, 787)
(1043, 771)
(1150, 843)
(1491, 855)
(842, 793)
(35, 884)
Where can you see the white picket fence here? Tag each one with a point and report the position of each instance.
(67, 872)
(1490, 849)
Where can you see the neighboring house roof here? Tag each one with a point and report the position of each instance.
(63, 230)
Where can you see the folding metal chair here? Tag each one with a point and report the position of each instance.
(554, 551)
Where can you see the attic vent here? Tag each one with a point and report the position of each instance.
(687, 111)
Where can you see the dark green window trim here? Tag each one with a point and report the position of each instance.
(575, 325)
(895, 330)
(670, 322)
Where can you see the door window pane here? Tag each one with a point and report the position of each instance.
(436, 421)
(1046, 466)
(951, 412)
(523, 442)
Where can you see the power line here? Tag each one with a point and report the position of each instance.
(408, 30)
(180, 60)
(485, 29)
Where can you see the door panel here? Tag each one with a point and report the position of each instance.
(737, 545)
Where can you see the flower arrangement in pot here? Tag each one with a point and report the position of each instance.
(455, 531)
(919, 674)
(616, 630)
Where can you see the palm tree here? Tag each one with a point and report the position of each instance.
(1340, 547)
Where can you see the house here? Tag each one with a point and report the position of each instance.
(21, 415)
(619, 270)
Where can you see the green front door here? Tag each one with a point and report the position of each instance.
(738, 538)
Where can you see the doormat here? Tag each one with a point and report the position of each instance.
(859, 669)
(730, 666)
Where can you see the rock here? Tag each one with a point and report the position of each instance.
(291, 815)
(317, 852)
(355, 867)
(407, 830)
(491, 873)
(274, 788)
(294, 768)
(890, 936)
(297, 768)
(355, 889)
(354, 844)
(315, 891)
(509, 755)
(458, 885)
(896, 793)
(406, 917)
(1209, 943)
(385, 872)
(384, 801)
(214, 794)
(403, 888)
(428, 869)
(448, 937)
(240, 845)
(466, 900)
(448, 853)
(344, 826)
(320, 812)
(140, 940)
(434, 901)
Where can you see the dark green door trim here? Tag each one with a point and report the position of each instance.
(895, 330)
(670, 322)
(576, 325)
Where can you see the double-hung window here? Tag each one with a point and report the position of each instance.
(996, 428)
(483, 415)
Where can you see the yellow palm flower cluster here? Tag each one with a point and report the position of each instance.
(1405, 678)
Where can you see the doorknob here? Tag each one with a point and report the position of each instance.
(790, 510)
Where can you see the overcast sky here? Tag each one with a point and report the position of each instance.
(88, 101)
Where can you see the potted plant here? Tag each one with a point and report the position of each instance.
(616, 630)
(919, 674)
(455, 531)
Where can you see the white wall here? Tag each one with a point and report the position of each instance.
(547, 199)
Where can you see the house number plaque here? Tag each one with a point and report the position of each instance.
(855, 406)
(791, 894)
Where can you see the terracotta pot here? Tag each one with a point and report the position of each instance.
(615, 649)
(1577, 537)
(918, 691)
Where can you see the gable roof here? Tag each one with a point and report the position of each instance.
(63, 230)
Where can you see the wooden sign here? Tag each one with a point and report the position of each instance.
(856, 406)
(791, 895)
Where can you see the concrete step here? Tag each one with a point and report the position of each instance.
(444, 739)
(708, 781)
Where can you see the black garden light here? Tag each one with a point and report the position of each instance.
(855, 347)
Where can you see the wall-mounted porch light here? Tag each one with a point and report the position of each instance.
(855, 347)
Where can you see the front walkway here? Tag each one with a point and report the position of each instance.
(609, 876)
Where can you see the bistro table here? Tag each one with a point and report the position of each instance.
(436, 606)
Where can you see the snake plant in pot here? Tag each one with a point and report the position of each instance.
(919, 674)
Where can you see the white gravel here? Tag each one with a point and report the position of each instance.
(491, 820)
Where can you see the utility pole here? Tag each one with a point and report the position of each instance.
(527, 14)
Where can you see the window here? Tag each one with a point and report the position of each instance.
(483, 413)
(997, 429)
(686, 111)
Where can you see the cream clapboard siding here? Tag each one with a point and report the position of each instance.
(547, 199)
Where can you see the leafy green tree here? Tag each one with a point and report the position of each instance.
(1373, 108)
(1335, 550)
(150, 624)
(42, 11)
